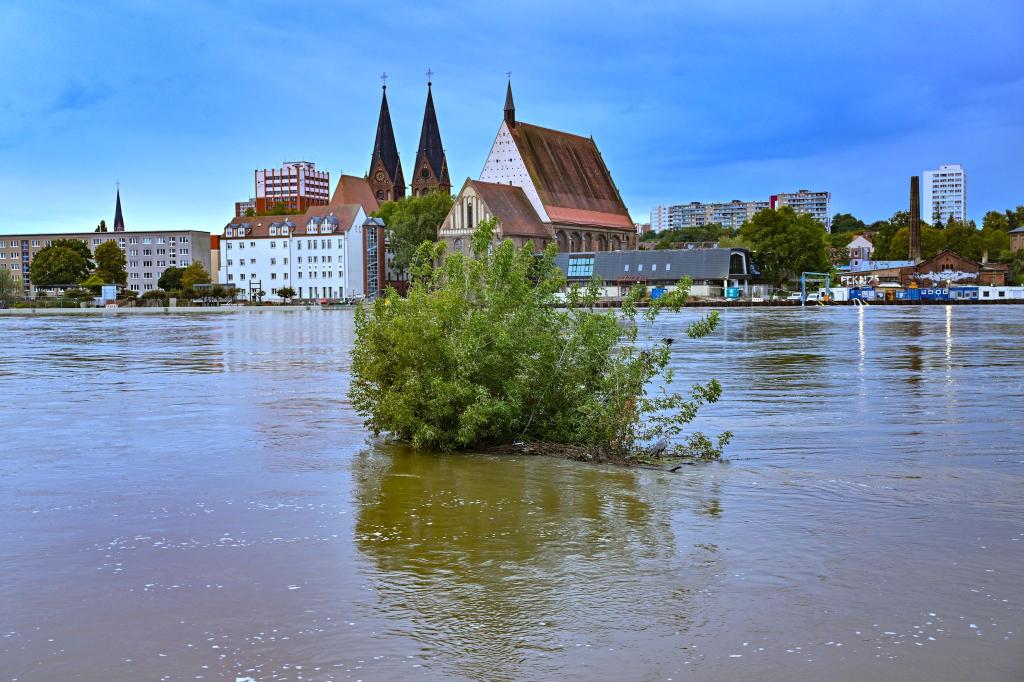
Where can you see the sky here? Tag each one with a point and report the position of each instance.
(692, 100)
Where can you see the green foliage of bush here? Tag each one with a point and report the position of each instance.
(483, 352)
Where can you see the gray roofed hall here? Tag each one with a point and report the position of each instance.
(659, 265)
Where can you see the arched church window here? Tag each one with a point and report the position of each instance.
(469, 215)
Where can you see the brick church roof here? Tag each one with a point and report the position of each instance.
(571, 178)
(513, 209)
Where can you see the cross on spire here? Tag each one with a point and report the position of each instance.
(509, 74)
(384, 80)
(430, 76)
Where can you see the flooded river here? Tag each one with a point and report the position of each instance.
(191, 497)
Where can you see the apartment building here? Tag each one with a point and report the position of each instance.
(318, 256)
(296, 185)
(243, 207)
(945, 194)
(731, 214)
(147, 253)
(815, 204)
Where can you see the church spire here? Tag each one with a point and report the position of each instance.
(385, 174)
(118, 217)
(510, 106)
(431, 169)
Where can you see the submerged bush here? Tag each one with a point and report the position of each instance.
(483, 351)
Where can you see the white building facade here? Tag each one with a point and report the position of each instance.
(319, 257)
(945, 194)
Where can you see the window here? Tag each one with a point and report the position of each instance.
(299, 275)
(273, 245)
(251, 244)
(654, 267)
(160, 240)
(147, 240)
(668, 266)
(273, 275)
(640, 267)
(581, 267)
(147, 263)
(147, 275)
(147, 252)
(273, 261)
(230, 262)
(229, 245)
(231, 278)
(286, 275)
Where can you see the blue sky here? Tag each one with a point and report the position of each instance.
(697, 100)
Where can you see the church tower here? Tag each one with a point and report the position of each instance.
(118, 216)
(431, 169)
(385, 174)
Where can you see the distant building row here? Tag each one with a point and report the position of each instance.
(734, 213)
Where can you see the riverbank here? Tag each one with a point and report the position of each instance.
(165, 310)
(15, 312)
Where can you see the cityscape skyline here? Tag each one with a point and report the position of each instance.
(180, 112)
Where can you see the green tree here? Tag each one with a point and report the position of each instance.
(63, 262)
(10, 285)
(94, 283)
(933, 241)
(994, 220)
(102, 227)
(786, 243)
(478, 354)
(111, 264)
(844, 222)
(193, 275)
(412, 221)
(250, 212)
(287, 293)
(171, 279)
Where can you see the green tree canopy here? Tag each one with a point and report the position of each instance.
(111, 264)
(102, 227)
(286, 293)
(412, 221)
(844, 222)
(10, 284)
(786, 243)
(479, 354)
(170, 279)
(63, 262)
(193, 275)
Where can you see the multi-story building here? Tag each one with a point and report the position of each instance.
(642, 228)
(731, 214)
(945, 194)
(147, 253)
(243, 207)
(296, 186)
(318, 256)
(734, 213)
(816, 204)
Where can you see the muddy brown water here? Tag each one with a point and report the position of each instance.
(188, 498)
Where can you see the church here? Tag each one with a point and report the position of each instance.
(430, 172)
(543, 186)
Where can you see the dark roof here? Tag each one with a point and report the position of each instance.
(571, 178)
(430, 142)
(1017, 231)
(384, 147)
(118, 216)
(699, 264)
(509, 104)
(510, 205)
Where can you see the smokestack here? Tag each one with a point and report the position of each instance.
(915, 219)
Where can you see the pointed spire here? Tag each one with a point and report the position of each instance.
(431, 169)
(385, 150)
(510, 106)
(118, 217)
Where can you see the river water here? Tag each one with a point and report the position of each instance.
(191, 497)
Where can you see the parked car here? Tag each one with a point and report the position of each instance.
(795, 296)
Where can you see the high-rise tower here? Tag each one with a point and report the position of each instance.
(431, 169)
(385, 174)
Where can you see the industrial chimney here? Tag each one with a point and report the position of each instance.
(915, 219)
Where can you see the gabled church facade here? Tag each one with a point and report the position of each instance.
(563, 192)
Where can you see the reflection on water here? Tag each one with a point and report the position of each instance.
(191, 497)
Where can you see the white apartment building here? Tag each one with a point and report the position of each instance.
(945, 194)
(804, 201)
(731, 214)
(318, 256)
